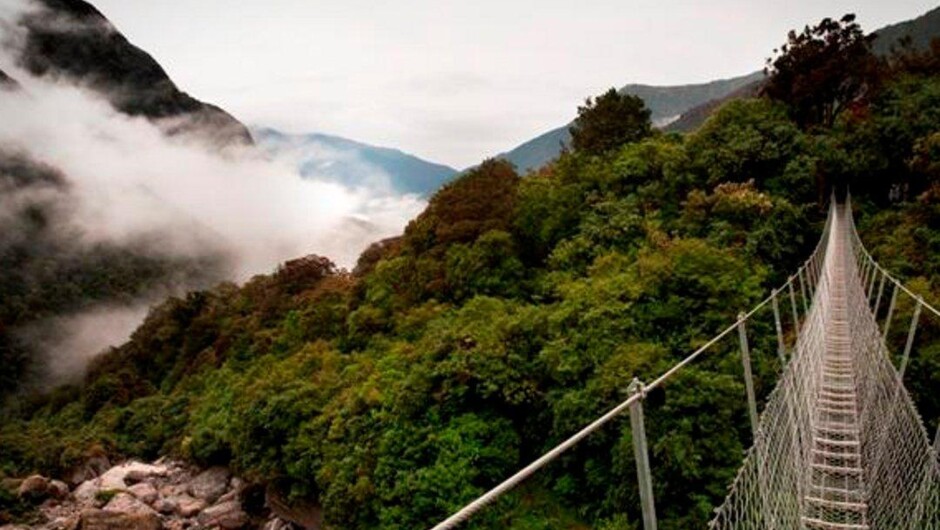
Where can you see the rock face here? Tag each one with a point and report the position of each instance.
(71, 39)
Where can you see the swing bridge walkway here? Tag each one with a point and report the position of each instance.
(840, 444)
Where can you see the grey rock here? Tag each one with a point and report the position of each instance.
(187, 506)
(127, 503)
(210, 484)
(58, 489)
(166, 506)
(227, 515)
(144, 491)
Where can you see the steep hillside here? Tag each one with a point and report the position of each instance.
(50, 268)
(921, 31)
(693, 118)
(353, 163)
(72, 39)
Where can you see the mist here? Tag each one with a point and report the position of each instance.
(128, 183)
(131, 182)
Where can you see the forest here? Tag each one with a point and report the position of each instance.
(517, 308)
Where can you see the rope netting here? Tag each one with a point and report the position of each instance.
(840, 444)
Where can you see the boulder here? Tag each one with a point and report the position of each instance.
(108, 520)
(58, 489)
(127, 503)
(34, 488)
(166, 506)
(144, 491)
(182, 505)
(116, 479)
(210, 484)
(86, 491)
(122, 476)
(227, 515)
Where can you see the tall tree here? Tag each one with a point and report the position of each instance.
(608, 121)
(822, 71)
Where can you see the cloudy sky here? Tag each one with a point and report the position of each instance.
(456, 81)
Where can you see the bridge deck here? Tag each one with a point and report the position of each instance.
(837, 495)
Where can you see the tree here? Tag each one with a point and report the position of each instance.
(822, 71)
(608, 121)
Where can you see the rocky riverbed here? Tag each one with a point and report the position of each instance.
(164, 495)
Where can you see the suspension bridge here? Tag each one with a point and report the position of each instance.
(839, 444)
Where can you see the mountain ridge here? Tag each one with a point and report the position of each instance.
(353, 162)
(72, 39)
(703, 98)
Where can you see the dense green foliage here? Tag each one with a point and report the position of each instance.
(510, 313)
(609, 121)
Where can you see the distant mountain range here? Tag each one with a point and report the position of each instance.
(683, 108)
(666, 104)
(354, 164)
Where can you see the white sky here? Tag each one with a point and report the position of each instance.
(456, 81)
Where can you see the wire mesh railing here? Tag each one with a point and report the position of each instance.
(841, 445)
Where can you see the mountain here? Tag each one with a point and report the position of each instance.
(920, 30)
(685, 107)
(666, 104)
(51, 269)
(71, 39)
(354, 164)
(693, 118)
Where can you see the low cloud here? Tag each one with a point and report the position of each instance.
(68, 343)
(131, 182)
(127, 183)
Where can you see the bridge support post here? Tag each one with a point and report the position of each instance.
(796, 316)
(803, 293)
(910, 338)
(780, 345)
(871, 284)
(748, 376)
(894, 299)
(881, 290)
(641, 455)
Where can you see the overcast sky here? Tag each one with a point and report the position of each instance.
(455, 81)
